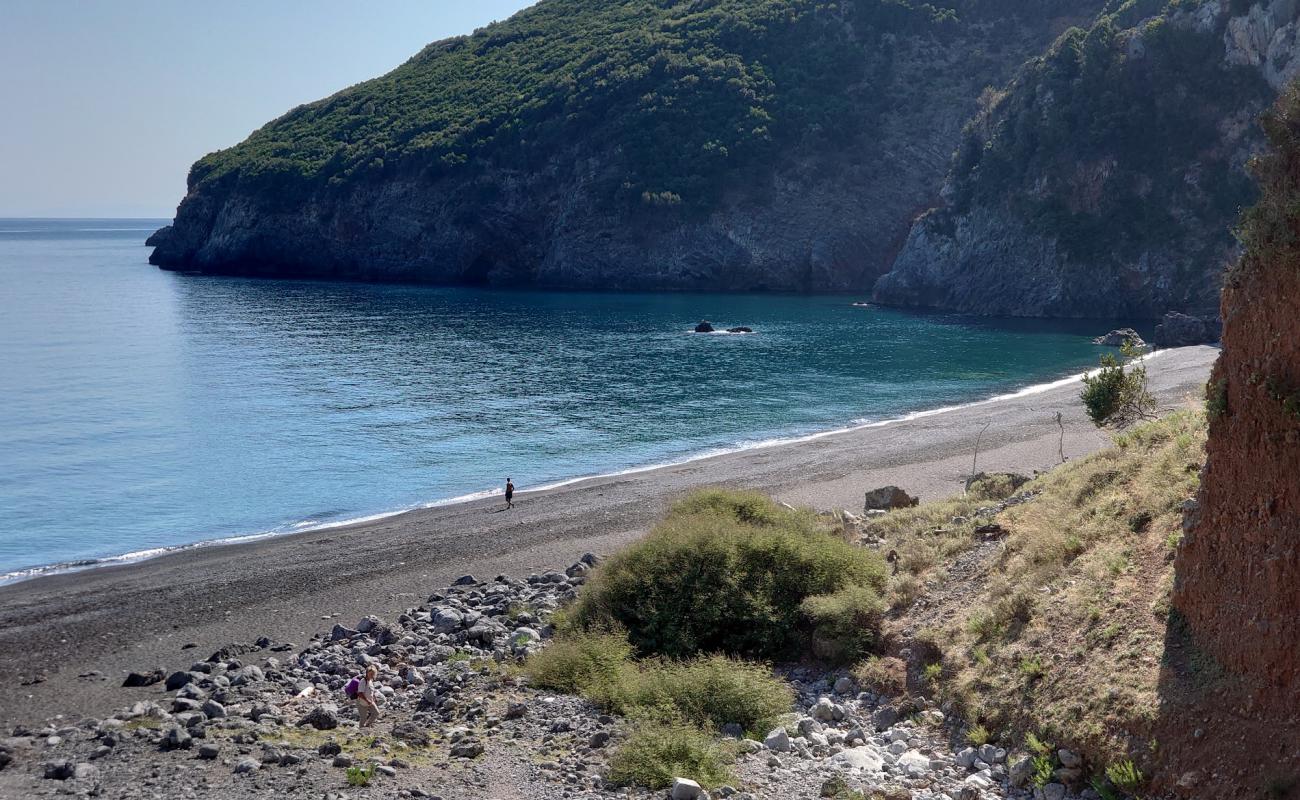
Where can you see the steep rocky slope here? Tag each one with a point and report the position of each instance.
(1106, 178)
(742, 144)
(1238, 569)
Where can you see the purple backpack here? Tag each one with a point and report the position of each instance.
(350, 688)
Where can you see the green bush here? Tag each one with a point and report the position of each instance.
(658, 751)
(1116, 395)
(708, 692)
(595, 665)
(845, 625)
(714, 691)
(729, 572)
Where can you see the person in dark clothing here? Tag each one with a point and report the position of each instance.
(510, 494)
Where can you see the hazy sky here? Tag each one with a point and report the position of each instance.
(104, 104)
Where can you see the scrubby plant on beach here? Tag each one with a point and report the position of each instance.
(1116, 395)
(708, 691)
(735, 572)
(658, 751)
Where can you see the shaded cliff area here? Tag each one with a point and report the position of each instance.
(1105, 179)
(1231, 692)
(741, 144)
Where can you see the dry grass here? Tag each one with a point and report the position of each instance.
(1066, 634)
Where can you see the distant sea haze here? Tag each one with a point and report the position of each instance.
(146, 409)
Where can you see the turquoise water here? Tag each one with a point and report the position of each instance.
(144, 409)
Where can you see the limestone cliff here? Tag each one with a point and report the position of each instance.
(1105, 179)
(1234, 671)
(743, 144)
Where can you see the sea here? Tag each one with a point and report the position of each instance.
(143, 410)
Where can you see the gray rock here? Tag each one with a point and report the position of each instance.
(884, 718)
(1183, 330)
(1052, 791)
(467, 748)
(178, 679)
(823, 710)
(1021, 772)
(385, 769)
(777, 740)
(685, 789)
(1119, 338)
(247, 765)
(209, 751)
(60, 770)
(464, 580)
(733, 730)
(598, 740)
(991, 754)
(1069, 758)
(177, 738)
(863, 758)
(322, 718)
(342, 760)
(965, 758)
(214, 710)
(704, 326)
(136, 679)
(844, 685)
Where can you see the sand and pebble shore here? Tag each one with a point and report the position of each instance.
(68, 640)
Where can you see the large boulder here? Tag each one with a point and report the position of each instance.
(1120, 337)
(888, 498)
(704, 326)
(1183, 330)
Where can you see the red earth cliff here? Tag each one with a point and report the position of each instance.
(1230, 716)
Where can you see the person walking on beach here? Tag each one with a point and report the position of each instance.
(367, 709)
(510, 494)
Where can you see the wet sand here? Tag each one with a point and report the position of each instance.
(140, 616)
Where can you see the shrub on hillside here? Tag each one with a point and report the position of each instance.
(729, 572)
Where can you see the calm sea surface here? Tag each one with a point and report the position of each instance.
(143, 409)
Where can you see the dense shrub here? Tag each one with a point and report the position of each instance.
(595, 665)
(658, 751)
(714, 691)
(845, 625)
(730, 572)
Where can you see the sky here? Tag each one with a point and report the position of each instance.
(105, 104)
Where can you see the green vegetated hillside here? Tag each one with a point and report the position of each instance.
(1106, 178)
(731, 143)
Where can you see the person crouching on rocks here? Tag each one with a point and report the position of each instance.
(366, 706)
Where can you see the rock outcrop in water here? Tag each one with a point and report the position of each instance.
(1238, 569)
(1105, 179)
(784, 144)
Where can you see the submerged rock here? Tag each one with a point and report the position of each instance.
(704, 326)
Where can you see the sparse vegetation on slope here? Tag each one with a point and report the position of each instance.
(1061, 632)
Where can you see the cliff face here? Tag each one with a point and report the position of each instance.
(1106, 178)
(1238, 568)
(752, 144)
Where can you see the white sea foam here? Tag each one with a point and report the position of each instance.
(308, 525)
